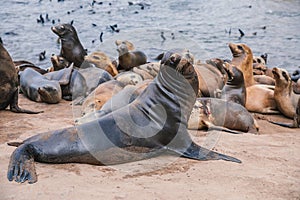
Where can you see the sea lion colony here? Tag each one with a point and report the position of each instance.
(168, 96)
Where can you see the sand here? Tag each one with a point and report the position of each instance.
(270, 167)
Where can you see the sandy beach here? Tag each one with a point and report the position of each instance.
(270, 166)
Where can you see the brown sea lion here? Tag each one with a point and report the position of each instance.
(284, 95)
(129, 78)
(264, 97)
(102, 61)
(130, 45)
(71, 48)
(234, 90)
(156, 121)
(9, 90)
(263, 79)
(213, 113)
(129, 59)
(210, 79)
(101, 95)
(58, 63)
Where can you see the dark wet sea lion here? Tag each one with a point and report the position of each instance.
(71, 48)
(39, 88)
(72, 82)
(234, 90)
(9, 90)
(129, 59)
(162, 109)
(213, 113)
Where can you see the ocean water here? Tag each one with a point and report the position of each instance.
(203, 26)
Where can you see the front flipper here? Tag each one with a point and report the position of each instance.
(21, 166)
(199, 153)
(14, 107)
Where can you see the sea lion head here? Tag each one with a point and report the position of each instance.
(235, 76)
(50, 94)
(129, 45)
(59, 62)
(238, 50)
(282, 78)
(64, 30)
(122, 49)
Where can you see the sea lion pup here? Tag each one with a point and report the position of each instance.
(264, 97)
(101, 95)
(215, 114)
(129, 59)
(162, 109)
(234, 90)
(71, 48)
(102, 61)
(21, 65)
(9, 90)
(130, 45)
(284, 95)
(38, 88)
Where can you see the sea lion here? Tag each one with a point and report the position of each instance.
(72, 82)
(9, 90)
(210, 79)
(234, 90)
(122, 98)
(129, 59)
(101, 95)
(21, 65)
(213, 113)
(284, 95)
(296, 87)
(38, 88)
(148, 70)
(264, 97)
(94, 76)
(130, 45)
(263, 79)
(71, 48)
(102, 61)
(58, 63)
(129, 77)
(296, 119)
(162, 109)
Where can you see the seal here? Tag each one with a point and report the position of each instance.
(102, 61)
(129, 59)
(71, 48)
(234, 90)
(9, 90)
(129, 78)
(263, 95)
(38, 88)
(101, 95)
(215, 114)
(58, 63)
(162, 109)
(72, 83)
(94, 76)
(284, 95)
(243, 59)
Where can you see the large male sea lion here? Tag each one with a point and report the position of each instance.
(162, 109)
(71, 48)
(39, 88)
(9, 90)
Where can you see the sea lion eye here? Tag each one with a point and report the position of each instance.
(284, 74)
(96, 57)
(240, 47)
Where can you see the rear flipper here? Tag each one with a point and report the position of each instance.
(199, 153)
(295, 124)
(211, 126)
